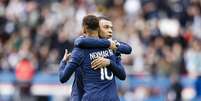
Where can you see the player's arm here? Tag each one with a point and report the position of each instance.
(114, 66)
(66, 68)
(123, 48)
(117, 69)
(88, 42)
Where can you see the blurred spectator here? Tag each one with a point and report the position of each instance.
(24, 71)
(193, 58)
(194, 12)
(24, 76)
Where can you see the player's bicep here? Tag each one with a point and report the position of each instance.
(86, 42)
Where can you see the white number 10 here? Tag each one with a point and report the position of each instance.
(104, 74)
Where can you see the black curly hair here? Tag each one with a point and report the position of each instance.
(91, 22)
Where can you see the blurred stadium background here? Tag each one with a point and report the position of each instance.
(165, 35)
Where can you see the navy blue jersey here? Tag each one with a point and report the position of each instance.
(97, 83)
(87, 42)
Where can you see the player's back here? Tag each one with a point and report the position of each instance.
(99, 85)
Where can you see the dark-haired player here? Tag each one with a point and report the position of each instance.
(99, 84)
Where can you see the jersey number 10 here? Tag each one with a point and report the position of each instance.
(104, 74)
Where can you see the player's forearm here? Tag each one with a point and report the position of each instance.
(66, 70)
(118, 70)
(124, 48)
(92, 43)
(62, 65)
(61, 71)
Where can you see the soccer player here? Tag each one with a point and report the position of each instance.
(88, 42)
(97, 82)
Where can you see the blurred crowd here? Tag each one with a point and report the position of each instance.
(165, 36)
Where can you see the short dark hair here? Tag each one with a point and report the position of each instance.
(104, 18)
(91, 22)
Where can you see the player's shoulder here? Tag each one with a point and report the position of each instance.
(78, 39)
(78, 50)
(81, 36)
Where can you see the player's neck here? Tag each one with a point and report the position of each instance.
(93, 34)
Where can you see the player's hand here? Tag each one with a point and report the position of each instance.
(66, 55)
(100, 62)
(113, 44)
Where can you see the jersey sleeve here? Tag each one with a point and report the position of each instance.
(124, 48)
(87, 42)
(67, 69)
(118, 69)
